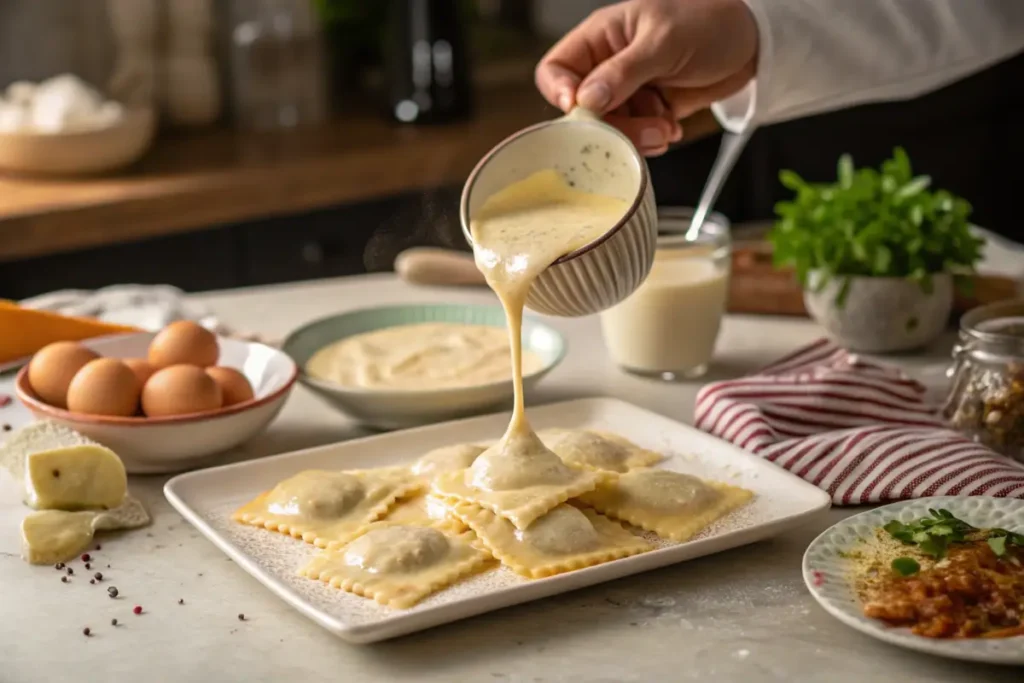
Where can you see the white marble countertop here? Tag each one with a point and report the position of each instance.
(743, 615)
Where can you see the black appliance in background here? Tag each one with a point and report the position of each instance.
(427, 58)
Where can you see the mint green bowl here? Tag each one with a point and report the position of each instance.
(393, 409)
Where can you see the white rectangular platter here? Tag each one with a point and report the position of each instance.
(206, 498)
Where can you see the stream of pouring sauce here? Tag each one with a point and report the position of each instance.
(517, 233)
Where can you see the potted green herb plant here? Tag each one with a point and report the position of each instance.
(877, 252)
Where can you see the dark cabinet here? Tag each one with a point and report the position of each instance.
(194, 262)
(345, 240)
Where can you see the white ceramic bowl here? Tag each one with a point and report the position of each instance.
(594, 157)
(881, 314)
(82, 152)
(396, 409)
(172, 444)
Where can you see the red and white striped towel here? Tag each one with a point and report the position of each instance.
(861, 431)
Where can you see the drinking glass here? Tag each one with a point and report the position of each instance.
(668, 327)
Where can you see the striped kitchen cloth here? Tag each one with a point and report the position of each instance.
(861, 431)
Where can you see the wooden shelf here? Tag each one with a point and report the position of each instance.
(199, 180)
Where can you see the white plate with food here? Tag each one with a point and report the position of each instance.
(209, 498)
(860, 567)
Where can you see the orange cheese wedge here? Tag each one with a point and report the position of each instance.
(23, 331)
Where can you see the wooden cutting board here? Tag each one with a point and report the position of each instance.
(758, 287)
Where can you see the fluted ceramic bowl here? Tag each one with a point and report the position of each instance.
(594, 157)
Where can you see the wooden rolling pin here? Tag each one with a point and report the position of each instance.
(755, 286)
(441, 267)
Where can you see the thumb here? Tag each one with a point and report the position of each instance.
(617, 78)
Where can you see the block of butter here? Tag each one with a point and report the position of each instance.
(36, 329)
(63, 470)
(50, 536)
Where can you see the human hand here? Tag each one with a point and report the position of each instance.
(645, 64)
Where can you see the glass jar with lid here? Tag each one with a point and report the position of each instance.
(986, 399)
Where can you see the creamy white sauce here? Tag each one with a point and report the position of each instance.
(517, 233)
(419, 356)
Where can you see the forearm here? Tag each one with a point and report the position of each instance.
(820, 55)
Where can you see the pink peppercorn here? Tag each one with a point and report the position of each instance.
(137, 609)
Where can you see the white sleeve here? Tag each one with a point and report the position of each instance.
(821, 55)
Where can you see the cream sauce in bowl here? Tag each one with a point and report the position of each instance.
(419, 356)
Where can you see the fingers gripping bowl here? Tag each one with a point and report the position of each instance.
(593, 157)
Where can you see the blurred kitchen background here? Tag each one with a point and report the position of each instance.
(299, 139)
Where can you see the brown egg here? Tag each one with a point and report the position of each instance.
(234, 387)
(53, 367)
(105, 386)
(142, 369)
(180, 390)
(183, 343)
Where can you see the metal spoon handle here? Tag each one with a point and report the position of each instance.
(729, 151)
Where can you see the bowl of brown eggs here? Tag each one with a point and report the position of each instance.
(164, 402)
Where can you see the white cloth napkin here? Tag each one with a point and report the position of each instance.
(149, 307)
(863, 432)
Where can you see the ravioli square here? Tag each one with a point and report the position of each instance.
(563, 540)
(324, 506)
(673, 505)
(446, 459)
(518, 487)
(424, 510)
(597, 451)
(398, 565)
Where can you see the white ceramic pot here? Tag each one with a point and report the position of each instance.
(594, 157)
(881, 314)
(79, 152)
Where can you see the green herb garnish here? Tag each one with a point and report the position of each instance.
(998, 545)
(905, 566)
(935, 533)
(882, 223)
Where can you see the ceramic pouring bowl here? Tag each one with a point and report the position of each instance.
(593, 157)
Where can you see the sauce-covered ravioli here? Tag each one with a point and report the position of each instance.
(597, 451)
(518, 478)
(666, 491)
(565, 539)
(447, 458)
(424, 510)
(670, 504)
(496, 470)
(563, 530)
(396, 550)
(398, 565)
(323, 506)
(316, 494)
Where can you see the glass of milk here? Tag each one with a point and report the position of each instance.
(668, 327)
